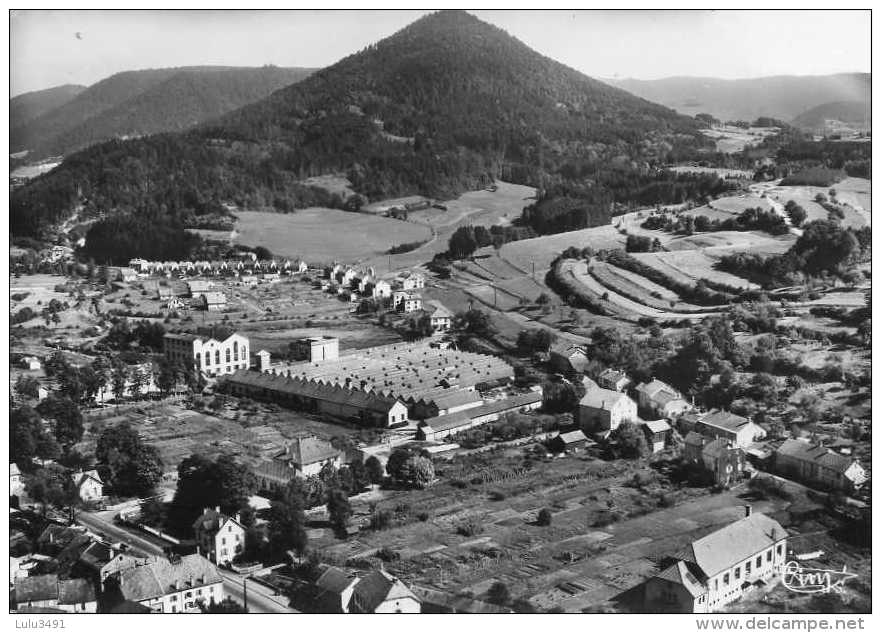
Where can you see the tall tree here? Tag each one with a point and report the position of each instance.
(287, 523)
(126, 463)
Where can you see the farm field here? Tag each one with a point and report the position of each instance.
(495, 298)
(640, 289)
(853, 194)
(321, 235)
(477, 208)
(688, 267)
(618, 304)
(719, 171)
(730, 140)
(542, 250)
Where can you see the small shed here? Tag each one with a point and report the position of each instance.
(570, 442)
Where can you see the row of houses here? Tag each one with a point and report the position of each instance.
(74, 571)
(247, 264)
(87, 484)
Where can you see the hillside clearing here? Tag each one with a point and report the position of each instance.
(542, 250)
(688, 267)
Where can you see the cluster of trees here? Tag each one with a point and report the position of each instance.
(535, 340)
(409, 468)
(814, 177)
(642, 244)
(511, 427)
(128, 466)
(145, 336)
(751, 219)
(467, 239)
(28, 438)
(824, 248)
(796, 212)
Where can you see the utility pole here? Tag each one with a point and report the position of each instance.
(245, 591)
(533, 270)
(495, 294)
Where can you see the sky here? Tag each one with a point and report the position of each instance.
(54, 47)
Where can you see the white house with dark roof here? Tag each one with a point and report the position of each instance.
(219, 537)
(819, 466)
(715, 570)
(88, 485)
(602, 410)
(724, 424)
(165, 585)
(660, 399)
(441, 318)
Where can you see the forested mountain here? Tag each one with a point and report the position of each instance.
(442, 106)
(146, 102)
(853, 114)
(29, 105)
(782, 97)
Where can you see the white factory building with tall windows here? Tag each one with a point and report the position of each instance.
(211, 356)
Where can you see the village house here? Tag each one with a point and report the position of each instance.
(740, 430)
(16, 485)
(301, 457)
(410, 281)
(720, 567)
(211, 356)
(406, 302)
(441, 319)
(571, 442)
(334, 590)
(660, 399)
(198, 286)
(48, 591)
(818, 465)
(566, 358)
(88, 485)
(212, 301)
(613, 379)
(381, 289)
(99, 560)
(380, 592)
(219, 537)
(656, 434)
(316, 349)
(164, 585)
(720, 458)
(31, 363)
(440, 427)
(603, 410)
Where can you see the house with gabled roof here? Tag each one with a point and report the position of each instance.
(380, 592)
(168, 585)
(715, 570)
(335, 589)
(720, 458)
(656, 434)
(660, 399)
(603, 410)
(565, 357)
(818, 465)
(48, 591)
(88, 485)
(302, 457)
(219, 537)
(613, 379)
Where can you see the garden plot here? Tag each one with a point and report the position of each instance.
(688, 267)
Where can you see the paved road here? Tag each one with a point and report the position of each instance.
(137, 544)
(260, 598)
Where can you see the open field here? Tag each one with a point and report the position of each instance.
(730, 139)
(477, 208)
(728, 207)
(321, 235)
(39, 290)
(334, 183)
(541, 250)
(752, 241)
(853, 194)
(688, 267)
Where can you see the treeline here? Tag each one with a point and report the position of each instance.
(568, 206)
(467, 239)
(116, 239)
(751, 219)
(824, 248)
(794, 154)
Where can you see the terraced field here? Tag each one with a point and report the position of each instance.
(640, 289)
(579, 277)
(687, 267)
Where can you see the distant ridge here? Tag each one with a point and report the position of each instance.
(141, 102)
(783, 97)
(29, 105)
